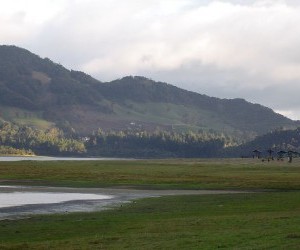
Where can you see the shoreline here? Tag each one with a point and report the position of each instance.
(12, 155)
(118, 197)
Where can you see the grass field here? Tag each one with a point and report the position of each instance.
(24, 117)
(158, 174)
(268, 220)
(243, 221)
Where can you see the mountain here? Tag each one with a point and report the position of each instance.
(40, 93)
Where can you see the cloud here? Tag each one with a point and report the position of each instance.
(23, 21)
(230, 48)
(261, 39)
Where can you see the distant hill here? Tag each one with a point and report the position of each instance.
(40, 93)
(285, 140)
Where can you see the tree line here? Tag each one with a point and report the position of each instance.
(140, 144)
(6, 150)
(156, 144)
(43, 142)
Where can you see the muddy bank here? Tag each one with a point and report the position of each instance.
(112, 197)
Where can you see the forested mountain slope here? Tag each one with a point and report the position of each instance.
(40, 93)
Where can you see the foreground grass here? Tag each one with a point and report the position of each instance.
(240, 221)
(162, 174)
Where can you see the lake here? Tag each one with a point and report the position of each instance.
(22, 201)
(48, 158)
(13, 199)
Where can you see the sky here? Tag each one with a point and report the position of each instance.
(225, 48)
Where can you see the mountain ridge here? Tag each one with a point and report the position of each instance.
(38, 91)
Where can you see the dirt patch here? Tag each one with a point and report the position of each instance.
(40, 76)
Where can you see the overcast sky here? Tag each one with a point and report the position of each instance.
(232, 48)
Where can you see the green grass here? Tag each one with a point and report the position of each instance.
(182, 118)
(158, 174)
(240, 221)
(268, 220)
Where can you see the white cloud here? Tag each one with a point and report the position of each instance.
(259, 39)
(288, 113)
(20, 20)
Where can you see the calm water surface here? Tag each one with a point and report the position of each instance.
(47, 158)
(12, 199)
(20, 201)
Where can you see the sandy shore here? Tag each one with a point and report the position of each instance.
(118, 196)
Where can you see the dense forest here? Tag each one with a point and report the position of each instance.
(48, 142)
(24, 140)
(157, 144)
(16, 139)
(6, 151)
(190, 144)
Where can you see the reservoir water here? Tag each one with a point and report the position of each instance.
(13, 199)
(48, 158)
(20, 201)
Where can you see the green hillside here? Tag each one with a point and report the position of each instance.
(40, 93)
